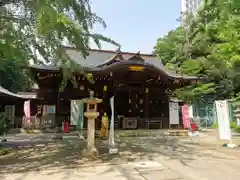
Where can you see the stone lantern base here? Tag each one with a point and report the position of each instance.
(90, 153)
(91, 149)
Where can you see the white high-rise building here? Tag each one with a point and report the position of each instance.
(190, 6)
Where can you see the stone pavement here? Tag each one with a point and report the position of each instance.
(145, 170)
(140, 158)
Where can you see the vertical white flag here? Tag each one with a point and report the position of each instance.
(111, 133)
(223, 120)
(74, 112)
(173, 113)
(190, 111)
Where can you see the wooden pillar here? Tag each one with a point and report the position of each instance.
(57, 110)
(147, 104)
(116, 122)
(57, 122)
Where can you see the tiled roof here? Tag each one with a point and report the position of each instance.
(5, 92)
(97, 58)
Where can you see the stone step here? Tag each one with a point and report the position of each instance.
(178, 132)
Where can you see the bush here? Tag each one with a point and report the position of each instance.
(233, 125)
(215, 125)
(237, 129)
(4, 151)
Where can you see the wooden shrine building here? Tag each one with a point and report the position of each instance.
(139, 83)
(13, 106)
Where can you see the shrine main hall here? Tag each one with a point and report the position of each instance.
(139, 83)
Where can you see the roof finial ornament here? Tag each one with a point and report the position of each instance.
(118, 49)
(137, 57)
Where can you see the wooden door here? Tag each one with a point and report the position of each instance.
(10, 113)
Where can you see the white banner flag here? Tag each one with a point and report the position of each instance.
(74, 112)
(173, 113)
(111, 132)
(190, 111)
(223, 120)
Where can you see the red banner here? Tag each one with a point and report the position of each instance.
(185, 116)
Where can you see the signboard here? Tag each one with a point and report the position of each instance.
(223, 120)
(49, 109)
(173, 113)
(185, 116)
(136, 68)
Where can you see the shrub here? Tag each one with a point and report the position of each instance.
(237, 129)
(233, 125)
(4, 151)
(215, 124)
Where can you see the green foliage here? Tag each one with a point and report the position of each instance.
(237, 129)
(12, 76)
(37, 30)
(208, 49)
(215, 125)
(4, 151)
(169, 48)
(233, 125)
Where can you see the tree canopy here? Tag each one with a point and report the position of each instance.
(208, 45)
(36, 31)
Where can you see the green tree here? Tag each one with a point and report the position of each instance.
(211, 52)
(12, 76)
(36, 31)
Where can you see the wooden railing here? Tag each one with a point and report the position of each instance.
(38, 122)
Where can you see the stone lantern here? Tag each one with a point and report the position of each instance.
(91, 114)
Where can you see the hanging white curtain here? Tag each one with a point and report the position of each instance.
(173, 113)
(111, 132)
(190, 111)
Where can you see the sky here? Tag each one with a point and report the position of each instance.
(136, 24)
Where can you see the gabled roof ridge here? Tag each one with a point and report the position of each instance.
(137, 56)
(118, 53)
(114, 51)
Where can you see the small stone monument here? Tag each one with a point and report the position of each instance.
(91, 114)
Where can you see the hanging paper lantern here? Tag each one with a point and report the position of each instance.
(104, 88)
(147, 90)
